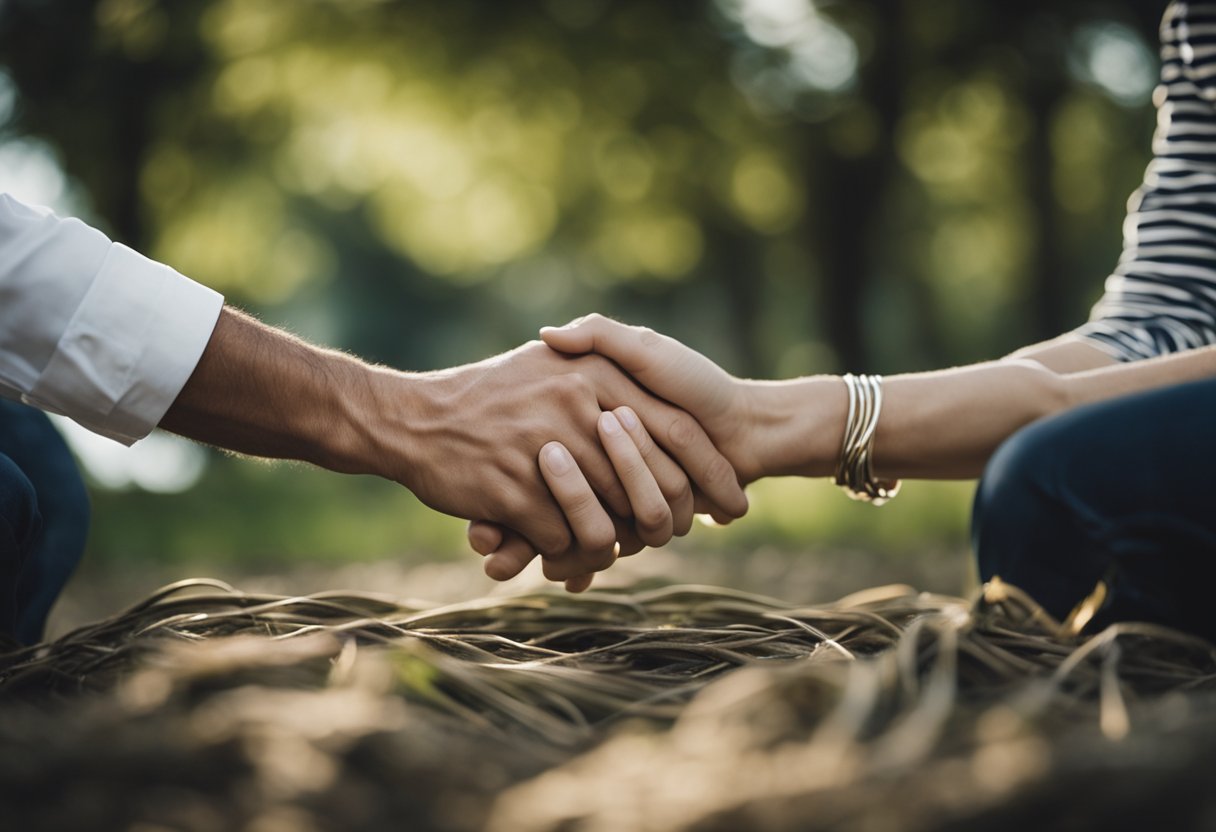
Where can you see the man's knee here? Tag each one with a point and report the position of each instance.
(67, 503)
(33, 445)
(20, 521)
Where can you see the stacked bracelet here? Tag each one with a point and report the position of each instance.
(855, 469)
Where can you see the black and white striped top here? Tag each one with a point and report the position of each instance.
(1162, 295)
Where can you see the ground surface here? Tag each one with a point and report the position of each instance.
(655, 708)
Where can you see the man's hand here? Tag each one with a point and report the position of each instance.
(467, 442)
(639, 464)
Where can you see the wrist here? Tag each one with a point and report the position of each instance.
(379, 409)
(370, 428)
(342, 436)
(797, 426)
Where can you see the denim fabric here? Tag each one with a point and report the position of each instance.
(44, 519)
(1122, 491)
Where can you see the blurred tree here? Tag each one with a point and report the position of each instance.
(94, 77)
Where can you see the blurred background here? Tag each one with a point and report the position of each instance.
(789, 186)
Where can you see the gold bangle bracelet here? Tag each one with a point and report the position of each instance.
(855, 468)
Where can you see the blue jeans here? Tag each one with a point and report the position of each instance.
(44, 519)
(1122, 491)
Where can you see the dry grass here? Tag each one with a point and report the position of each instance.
(677, 708)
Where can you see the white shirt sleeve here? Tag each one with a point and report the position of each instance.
(91, 329)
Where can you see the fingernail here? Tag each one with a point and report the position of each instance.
(559, 459)
(628, 418)
(609, 423)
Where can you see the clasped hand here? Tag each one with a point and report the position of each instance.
(624, 463)
(561, 455)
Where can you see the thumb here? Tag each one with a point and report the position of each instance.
(574, 338)
(663, 365)
(643, 353)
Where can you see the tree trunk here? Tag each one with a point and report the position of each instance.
(851, 193)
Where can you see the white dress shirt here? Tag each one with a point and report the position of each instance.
(91, 329)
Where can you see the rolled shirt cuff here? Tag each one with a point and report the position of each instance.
(130, 347)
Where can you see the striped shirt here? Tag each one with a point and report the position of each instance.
(1162, 295)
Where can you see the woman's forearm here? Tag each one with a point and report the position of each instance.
(1067, 353)
(939, 425)
(944, 424)
(1125, 379)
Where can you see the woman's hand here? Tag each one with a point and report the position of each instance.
(647, 474)
(721, 403)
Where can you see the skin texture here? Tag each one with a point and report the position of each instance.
(795, 427)
(939, 425)
(518, 440)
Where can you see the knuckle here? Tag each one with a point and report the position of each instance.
(718, 470)
(648, 336)
(564, 390)
(632, 547)
(592, 366)
(612, 493)
(654, 538)
(597, 560)
(604, 563)
(600, 541)
(653, 518)
(515, 505)
(553, 541)
(573, 387)
(645, 445)
(676, 490)
(630, 468)
(582, 506)
(682, 431)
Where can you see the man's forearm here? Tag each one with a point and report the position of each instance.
(464, 440)
(259, 391)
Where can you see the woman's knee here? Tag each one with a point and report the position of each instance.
(1014, 493)
(1026, 528)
